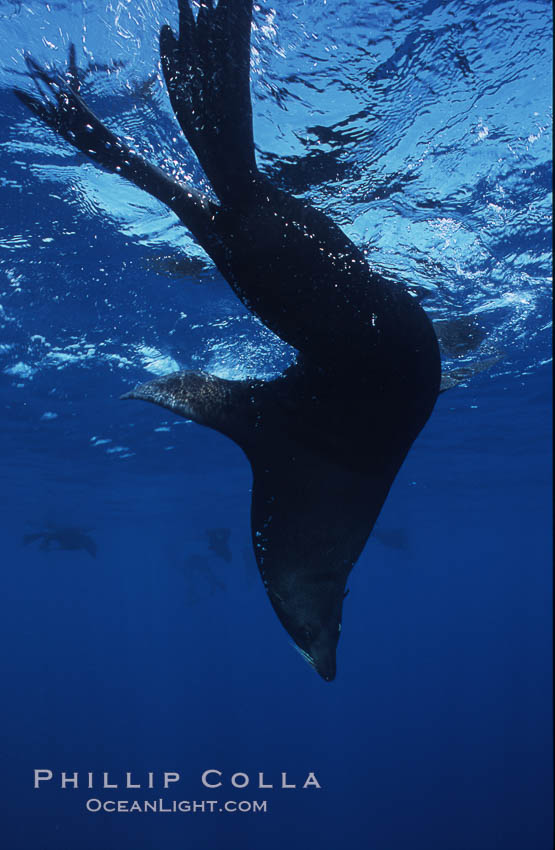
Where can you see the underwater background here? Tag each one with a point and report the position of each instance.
(424, 130)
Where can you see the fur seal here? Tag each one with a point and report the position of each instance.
(69, 539)
(325, 439)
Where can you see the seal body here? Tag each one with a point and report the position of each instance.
(326, 439)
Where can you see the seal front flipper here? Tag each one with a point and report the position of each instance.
(226, 406)
(312, 511)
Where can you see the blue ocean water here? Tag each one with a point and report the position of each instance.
(424, 130)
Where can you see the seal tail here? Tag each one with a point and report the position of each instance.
(207, 70)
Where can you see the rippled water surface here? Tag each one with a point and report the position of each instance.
(424, 130)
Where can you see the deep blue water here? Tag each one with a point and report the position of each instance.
(423, 128)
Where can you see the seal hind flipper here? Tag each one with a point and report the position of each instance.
(207, 72)
(464, 373)
(60, 106)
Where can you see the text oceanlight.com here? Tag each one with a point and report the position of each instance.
(176, 806)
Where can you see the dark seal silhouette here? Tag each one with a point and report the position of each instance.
(69, 539)
(326, 439)
(201, 579)
(394, 538)
(218, 542)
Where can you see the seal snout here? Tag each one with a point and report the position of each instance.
(321, 655)
(323, 659)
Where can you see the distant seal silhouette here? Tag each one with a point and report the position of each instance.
(325, 440)
(218, 542)
(201, 579)
(69, 539)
